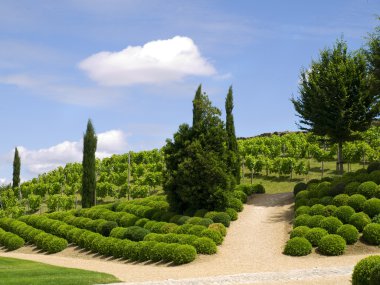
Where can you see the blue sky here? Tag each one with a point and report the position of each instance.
(133, 67)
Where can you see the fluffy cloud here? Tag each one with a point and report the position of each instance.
(42, 160)
(156, 62)
(3, 181)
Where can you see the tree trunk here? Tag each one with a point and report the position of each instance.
(340, 159)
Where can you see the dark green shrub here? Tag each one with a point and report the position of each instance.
(298, 246)
(375, 176)
(314, 235)
(360, 220)
(313, 181)
(337, 189)
(367, 189)
(106, 228)
(118, 232)
(304, 194)
(376, 219)
(184, 254)
(373, 166)
(300, 231)
(205, 245)
(371, 234)
(128, 220)
(199, 221)
(183, 220)
(135, 233)
(146, 248)
(56, 244)
(223, 218)
(140, 222)
(374, 278)
(349, 233)
(196, 230)
(184, 229)
(332, 245)
(301, 220)
(218, 227)
(315, 221)
(214, 235)
(351, 188)
(240, 195)
(232, 213)
(363, 270)
(329, 210)
(344, 213)
(302, 210)
(166, 216)
(313, 201)
(356, 201)
(372, 207)
(301, 202)
(331, 224)
(258, 189)
(299, 187)
(326, 200)
(235, 204)
(317, 209)
(340, 200)
(323, 189)
(200, 213)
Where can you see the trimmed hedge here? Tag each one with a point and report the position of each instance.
(314, 235)
(344, 213)
(302, 210)
(329, 210)
(232, 213)
(219, 217)
(315, 221)
(300, 231)
(10, 241)
(299, 187)
(372, 207)
(357, 201)
(135, 233)
(332, 245)
(301, 220)
(331, 224)
(349, 233)
(317, 209)
(298, 246)
(235, 204)
(367, 189)
(218, 227)
(360, 220)
(340, 200)
(363, 269)
(371, 234)
(351, 188)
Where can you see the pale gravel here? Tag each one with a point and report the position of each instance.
(250, 254)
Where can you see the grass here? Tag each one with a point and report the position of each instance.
(274, 184)
(20, 272)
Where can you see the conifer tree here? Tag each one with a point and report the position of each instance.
(232, 145)
(16, 171)
(89, 163)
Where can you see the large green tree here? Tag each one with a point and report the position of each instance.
(334, 96)
(232, 145)
(89, 167)
(373, 55)
(16, 171)
(196, 174)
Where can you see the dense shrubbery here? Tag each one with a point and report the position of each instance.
(332, 245)
(315, 221)
(10, 241)
(300, 231)
(371, 234)
(301, 220)
(219, 217)
(299, 187)
(363, 269)
(340, 200)
(372, 207)
(314, 235)
(367, 189)
(317, 209)
(357, 201)
(302, 210)
(331, 224)
(344, 213)
(360, 220)
(218, 227)
(298, 246)
(349, 233)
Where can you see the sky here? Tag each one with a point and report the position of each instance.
(133, 67)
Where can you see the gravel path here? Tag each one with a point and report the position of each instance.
(250, 254)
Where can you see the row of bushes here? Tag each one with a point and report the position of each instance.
(10, 241)
(43, 240)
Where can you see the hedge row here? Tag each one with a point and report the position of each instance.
(203, 245)
(121, 218)
(47, 242)
(10, 241)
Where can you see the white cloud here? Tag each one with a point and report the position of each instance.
(156, 62)
(3, 181)
(43, 160)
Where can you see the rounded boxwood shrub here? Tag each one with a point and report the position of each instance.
(331, 224)
(218, 227)
(314, 235)
(11, 241)
(351, 188)
(372, 207)
(235, 204)
(215, 236)
(135, 233)
(337, 189)
(240, 195)
(304, 194)
(349, 233)
(357, 201)
(298, 246)
(200, 221)
(326, 200)
(313, 201)
(205, 245)
(302, 210)
(363, 269)
(182, 220)
(323, 189)
(374, 278)
(329, 210)
(360, 220)
(301, 202)
(300, 231)
(344, 213)
(375, 176)
(196, 230)
(332, 245)
(340, 200)
(200, 213)
(367, 189)
(373, 166)
(299, 187)
(376, 219)
(140, 222)
(315, 221)
(184, 254)
(258, 188)
(232, 213)
(301, 220)
(371, 234)
(317, 209)
(106, 228)
(222, 218)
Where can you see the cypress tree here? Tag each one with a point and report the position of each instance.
(233, 156)
(89, 174)
(16, 170)
(197, 107)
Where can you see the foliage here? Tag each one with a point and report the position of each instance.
(299, 187)
(367, 189)
(349, 233)
(360, 220)
(363, 269)
(16, 169)
(344, 213)
(371, 234)
(372, 207)
(298, 246)
(314, 235)
(331, 224)
(356, 201)
(300, 231)
(332, 245)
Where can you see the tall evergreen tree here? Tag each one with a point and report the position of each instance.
(197, 107)
(232, 145)
(334, 97)
(89, 163)
(373, 55)
(16, 170)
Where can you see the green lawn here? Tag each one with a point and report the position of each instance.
(20, 272)
(274, 184)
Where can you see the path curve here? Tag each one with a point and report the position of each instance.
(254, 244)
